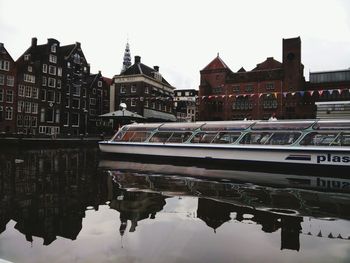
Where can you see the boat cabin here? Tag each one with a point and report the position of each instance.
(288, 132)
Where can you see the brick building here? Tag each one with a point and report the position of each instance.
(268, 89)
(8, 90)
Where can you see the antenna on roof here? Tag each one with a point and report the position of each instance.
(218, 54)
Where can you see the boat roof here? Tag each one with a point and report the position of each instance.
(242, 125)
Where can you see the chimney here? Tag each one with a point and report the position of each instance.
(137, 59)
(1, 45)
(34, 41)
(77, 44)
(156, 68)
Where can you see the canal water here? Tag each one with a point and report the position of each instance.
(75, 205)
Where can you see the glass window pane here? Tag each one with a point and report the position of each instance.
(255, 138)
(332, 125)
(179, 137)
(161, 137)
(268, 125)
(204, 137)
(283, 138)
(317, 138)
(227, 126)
(226, 137)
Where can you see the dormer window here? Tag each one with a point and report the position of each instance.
(99, 84)
(26, 57)
(53, 48)
(76, 58)
(157, 76)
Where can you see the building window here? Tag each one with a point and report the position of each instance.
(58, 97)
(146, 89)
(52, 70)
(43, 94)
(29, 78)
(217, 90)
(10, 81)
(28, 91)
(187, 93)
(153, 105)
(236, 89)
(99, 83)
(19, 120)
(53, 59)
(44, 81)
(122, 89)
(35, 108)
(42, 115)
(76, 103)
(50, 96)
(20, 91)
(1, 95)
(2, 79)
(92, 101)
(26, 121)
(49, 116)
(57, 116)
(26, 57)
(59, 72)
(44, 68)
(59, 84)
(52, 82)
(270, 86)
(9, 96)
(27, 107)
(4, 65)
(66, 118)
(35, 93)
(30, 69)
(133, 102)
(249, 88)
(8, 113)
(20, 107)
(133, 88)
(146, 103)
(34, 121)
(75, 119)
(92, 112)
(93, 91)
(76, 58)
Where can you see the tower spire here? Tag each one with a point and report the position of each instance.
(127, 57)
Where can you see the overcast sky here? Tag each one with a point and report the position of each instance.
(183, 36)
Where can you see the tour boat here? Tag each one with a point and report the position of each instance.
(317, 145)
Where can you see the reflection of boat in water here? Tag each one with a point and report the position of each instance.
(280, 204)
(320, 183)
(306, 144)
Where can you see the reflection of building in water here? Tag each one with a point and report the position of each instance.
(215, 214)
(272, 208)
(135, 205)
(50, 190)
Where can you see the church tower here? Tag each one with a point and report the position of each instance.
(127, 58)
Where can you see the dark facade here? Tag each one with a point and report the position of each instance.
(255, 94)
(185, 105)
(56, 93)
(8, 90)
(144, 91)
(98, 103)
(39, 89)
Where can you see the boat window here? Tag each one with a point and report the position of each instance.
(133, 136)
(227, 126)
(226, 137)
(161, 137)
(179, 137)
(283, 138)
(319, 138)
(256, 138)
(183, 126)
(266, 125)
(332, 125)
(143, 127)
(119, 135)
(204, 137)
(343, 139)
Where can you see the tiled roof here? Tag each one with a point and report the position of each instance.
(269, 63)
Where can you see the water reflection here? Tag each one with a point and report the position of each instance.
(47, 193)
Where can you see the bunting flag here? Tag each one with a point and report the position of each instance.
(285, 94)
(320, 92)
(330, 92)
(302, 93)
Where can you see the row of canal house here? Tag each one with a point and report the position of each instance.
(271, 88)
(49, 90)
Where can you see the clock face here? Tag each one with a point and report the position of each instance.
(290, 56)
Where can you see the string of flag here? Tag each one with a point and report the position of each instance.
(285, 94)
